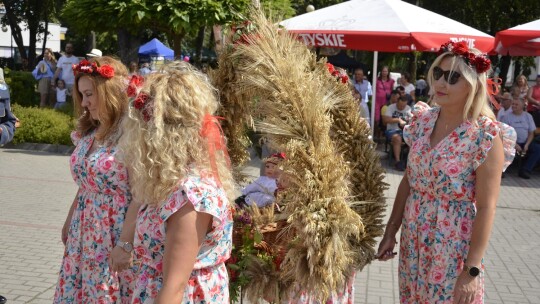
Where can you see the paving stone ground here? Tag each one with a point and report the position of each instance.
(36, 190)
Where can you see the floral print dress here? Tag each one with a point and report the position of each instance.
(440, 210)
(96, 224)
(209, 281)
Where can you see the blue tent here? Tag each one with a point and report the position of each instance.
(155, 48)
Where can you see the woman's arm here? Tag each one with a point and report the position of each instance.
(530, 98)
(488, 183)
(530, 137)
(186, 230)
(388, 242)
(121, 259)
(67, 222)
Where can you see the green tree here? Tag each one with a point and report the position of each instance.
(300, 5)
(35, 14)
(278, 9)
(175, 18)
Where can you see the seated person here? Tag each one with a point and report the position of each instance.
(392, 100)
(506, 105)
(410, 99)
(524, 125)
(395, 118)
(262, 191)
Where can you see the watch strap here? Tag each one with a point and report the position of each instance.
(126, 246)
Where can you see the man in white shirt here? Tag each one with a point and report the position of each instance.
(506, 105)
(397, 115)
(64, 68)
(364, 88)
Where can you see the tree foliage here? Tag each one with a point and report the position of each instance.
(300, 5)
(32, 13)
(278, 9)
(175, 18)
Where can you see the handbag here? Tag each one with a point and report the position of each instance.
(37, 75)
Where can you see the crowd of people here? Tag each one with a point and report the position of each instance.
(388, 124)
(55, 79)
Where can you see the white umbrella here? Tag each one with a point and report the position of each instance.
(382, 25)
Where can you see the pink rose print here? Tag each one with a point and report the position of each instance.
(453, 169)
(465, 227)
(437, 275)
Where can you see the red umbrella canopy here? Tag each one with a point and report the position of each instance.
(382, 25)
(521, 40)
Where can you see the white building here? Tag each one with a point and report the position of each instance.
(8, 47)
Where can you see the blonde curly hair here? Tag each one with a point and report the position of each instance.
(164, 147)
(112, 98)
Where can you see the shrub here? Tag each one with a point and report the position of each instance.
(22, 87)
(42, 126)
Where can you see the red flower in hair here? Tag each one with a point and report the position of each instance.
(135, 82)
(147, 114)
(106, 71)
(91, 68)
(140, 101)
(460, 48)
(481, 64)
(131, 91)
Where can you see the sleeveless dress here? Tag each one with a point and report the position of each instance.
(96, 224)
(209, 281)
(441, 207)
(384, 88)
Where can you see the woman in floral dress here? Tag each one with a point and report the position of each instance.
(179, 172)
(94, 222)
(446, 201)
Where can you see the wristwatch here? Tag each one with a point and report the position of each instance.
(127, 246)
(473, 271)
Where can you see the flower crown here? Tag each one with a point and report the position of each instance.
(479, 62)
(275, 158)
(139, 100)
(91, 68)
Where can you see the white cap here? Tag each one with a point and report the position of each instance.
(94, 53)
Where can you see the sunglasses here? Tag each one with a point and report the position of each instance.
(449, 76)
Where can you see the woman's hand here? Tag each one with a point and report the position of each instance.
(119, 259)
(465, 289)
(386, 248)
